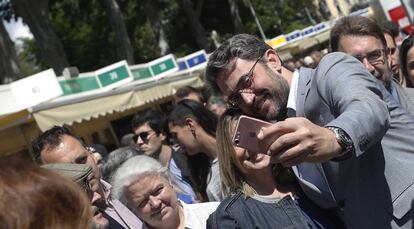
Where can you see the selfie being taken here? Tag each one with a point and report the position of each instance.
(195, 114)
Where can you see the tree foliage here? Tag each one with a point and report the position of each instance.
(90, 43)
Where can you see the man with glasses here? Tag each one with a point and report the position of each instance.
(363, 38)
(58, 145)
(151, 139)
(333, 137)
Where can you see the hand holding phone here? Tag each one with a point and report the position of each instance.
(245, 135)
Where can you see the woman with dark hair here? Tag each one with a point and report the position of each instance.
(260, 194)
(407, 60)
(194, 127)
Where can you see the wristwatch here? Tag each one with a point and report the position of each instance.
(344, 141)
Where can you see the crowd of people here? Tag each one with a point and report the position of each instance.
(338, 148)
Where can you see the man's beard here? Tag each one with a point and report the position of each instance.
(386, 76)
(99, 226)
(97, 207)
(279, 96)
(102, 223)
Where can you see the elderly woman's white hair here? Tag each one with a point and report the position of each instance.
(131, 170)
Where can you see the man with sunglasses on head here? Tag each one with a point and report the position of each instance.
(336, 135)
(59, 145)
(364, 39)
(150, 139)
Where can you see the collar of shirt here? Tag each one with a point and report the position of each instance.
(293, 91)
(107, 192)
(394, 92)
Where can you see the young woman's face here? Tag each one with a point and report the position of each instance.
(410, 64)
(186, 138)
(250, 162)
(153, 200)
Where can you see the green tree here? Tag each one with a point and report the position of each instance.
(35, 15)
(157, 27)
(278, 17)
(10, 68)
(123, 43)
(85, 33)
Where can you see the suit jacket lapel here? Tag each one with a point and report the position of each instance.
(304, 83)
(324, 198)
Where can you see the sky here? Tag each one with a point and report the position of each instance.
(16, 29)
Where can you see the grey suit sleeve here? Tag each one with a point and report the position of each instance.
(354, 98)
(406, 96)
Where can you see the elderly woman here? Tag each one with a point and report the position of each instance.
(261, 195)
(143, 185)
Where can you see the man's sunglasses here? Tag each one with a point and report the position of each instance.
(144, 136)
(373, 57)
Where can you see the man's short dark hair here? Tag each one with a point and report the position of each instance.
(355, 26)
(243, 46)
(183, 92)
(50, 139)
(155, 119)
(392, 27)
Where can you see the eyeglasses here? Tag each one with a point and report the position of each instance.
(144, 136)
(373, 57)
(245, 81)
(86, 185)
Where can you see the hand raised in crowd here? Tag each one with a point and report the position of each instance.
(298, 140)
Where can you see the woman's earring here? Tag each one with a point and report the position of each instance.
(193, 132)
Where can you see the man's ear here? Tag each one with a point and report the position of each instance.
(273, 60)
(191, 125)
(163, 136)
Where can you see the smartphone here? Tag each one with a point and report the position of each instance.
(245, 135)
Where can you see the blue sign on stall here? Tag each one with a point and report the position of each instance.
(308, 31)
(196, 58)
(192, 60)
(181, 64)
(293, 36)
(321, 27)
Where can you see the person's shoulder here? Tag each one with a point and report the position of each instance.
(336, 57)
(406, 89)
(227, 211)
(231, 202)
(337, 64)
